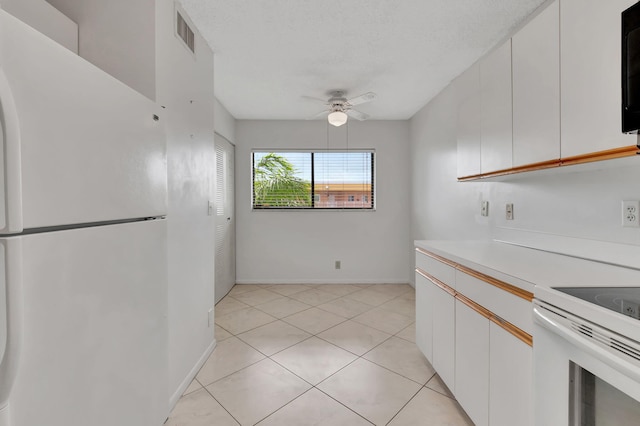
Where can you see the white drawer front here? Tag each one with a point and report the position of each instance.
(441, 271)
(509, 307)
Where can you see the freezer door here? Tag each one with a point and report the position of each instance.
(94, 348)
(92, 149)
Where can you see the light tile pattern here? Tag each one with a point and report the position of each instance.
(317, 355)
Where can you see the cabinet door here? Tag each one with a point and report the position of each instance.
(444, 336)
(496, 110)
(536, 89)
(590, 76)
(468, 130)
(424, 316)
(510, 387)
(472, 363)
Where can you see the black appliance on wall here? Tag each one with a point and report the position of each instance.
(631, 69)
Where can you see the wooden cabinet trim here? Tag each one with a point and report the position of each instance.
(473, 305)
(516, 291)
(437, 282)
(520, 169)
(506, 325)
(609, 154)
(512, 329)
(436, 257)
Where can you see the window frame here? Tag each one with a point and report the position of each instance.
(374, 185)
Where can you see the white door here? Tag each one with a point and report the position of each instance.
(225, 220)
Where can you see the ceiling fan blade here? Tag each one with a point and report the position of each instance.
(318, 115)
(367, 97)
(311, 98)
(358, 115)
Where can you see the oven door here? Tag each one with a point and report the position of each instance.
(583, 374)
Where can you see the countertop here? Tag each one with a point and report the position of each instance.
(528, 268)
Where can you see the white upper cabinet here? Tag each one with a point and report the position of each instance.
(496, 110)
(536, 89)
(468, 129)
(590, 76)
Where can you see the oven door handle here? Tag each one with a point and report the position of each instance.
(611, 357)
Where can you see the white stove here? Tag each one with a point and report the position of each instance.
(587, 355)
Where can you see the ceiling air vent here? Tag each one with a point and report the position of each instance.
(185, 33)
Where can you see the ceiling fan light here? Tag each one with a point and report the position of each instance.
(337, 118)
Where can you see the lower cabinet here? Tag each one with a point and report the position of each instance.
(444, 336)
(424, 316)
(511, 379)
(472, 363)
(484, 360)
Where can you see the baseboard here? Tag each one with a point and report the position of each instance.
(322, 281)
(192, 374)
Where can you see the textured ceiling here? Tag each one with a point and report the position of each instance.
(271, 53)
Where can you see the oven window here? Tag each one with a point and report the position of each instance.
(595, 402)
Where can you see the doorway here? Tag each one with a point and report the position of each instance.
(225, 262)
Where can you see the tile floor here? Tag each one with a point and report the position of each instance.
(317, 355)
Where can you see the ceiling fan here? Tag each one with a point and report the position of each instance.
(339, 107)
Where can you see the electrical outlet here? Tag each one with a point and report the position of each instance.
(630, 213)
(484, 209)
(338, 264)
(509, 211)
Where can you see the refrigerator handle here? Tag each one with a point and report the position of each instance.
(13, 310)
(11, 163)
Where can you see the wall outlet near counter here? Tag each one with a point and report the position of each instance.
(630, 212)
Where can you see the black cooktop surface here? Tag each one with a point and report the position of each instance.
(624, 300)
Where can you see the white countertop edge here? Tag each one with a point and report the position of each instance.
(526, 267)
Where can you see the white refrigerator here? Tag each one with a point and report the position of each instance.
(83, 282)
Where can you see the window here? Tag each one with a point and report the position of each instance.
(313, 180)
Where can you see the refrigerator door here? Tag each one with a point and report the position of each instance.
(10, 318)
(91, 149)
(94, 346)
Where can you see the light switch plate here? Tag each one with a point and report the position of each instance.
(484, 209)
(509, 211)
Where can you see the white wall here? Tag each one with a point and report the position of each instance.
(185, 88)
(225, 123)
(579, 201)
(117, 36)
(441, 208)
(45, 18)
(301, 246)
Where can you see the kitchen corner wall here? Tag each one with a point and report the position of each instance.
(301, 246)
(116, 36)
(582, 202)
(225, 123)
(185, 89)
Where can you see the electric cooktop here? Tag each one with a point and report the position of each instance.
(624, 300)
